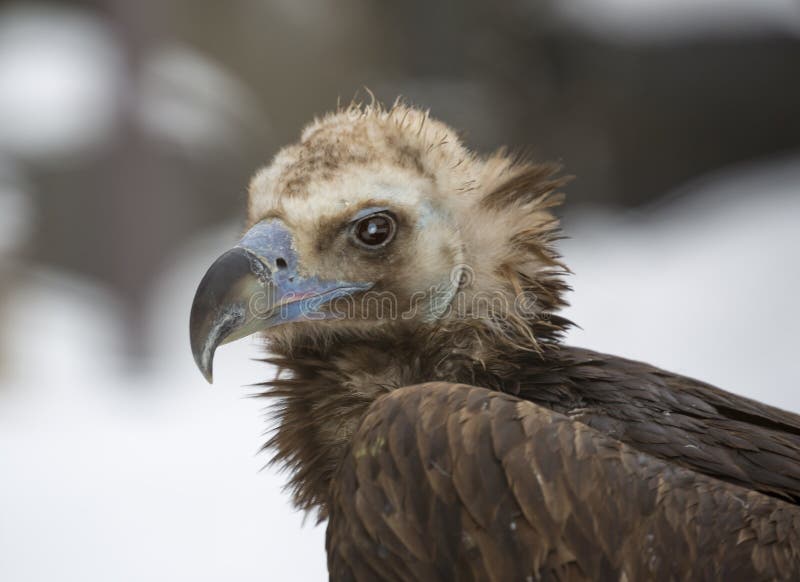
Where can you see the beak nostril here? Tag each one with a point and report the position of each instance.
(280, 263)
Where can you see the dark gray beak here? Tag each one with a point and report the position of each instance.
(255, 286)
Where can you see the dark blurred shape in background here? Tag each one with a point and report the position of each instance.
(129, 131)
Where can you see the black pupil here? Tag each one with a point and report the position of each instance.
(374, 230)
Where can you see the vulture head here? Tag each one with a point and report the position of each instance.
(380, 252)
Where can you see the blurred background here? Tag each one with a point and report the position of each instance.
(128, 132)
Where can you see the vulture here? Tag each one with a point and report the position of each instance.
(408, 292)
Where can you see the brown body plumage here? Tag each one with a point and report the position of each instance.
(465, 441)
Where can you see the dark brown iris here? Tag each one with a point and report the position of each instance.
(375, 230)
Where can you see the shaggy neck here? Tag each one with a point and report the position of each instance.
(324, 389)
(325, 385)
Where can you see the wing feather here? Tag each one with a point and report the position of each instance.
(456, 482)
(669, 416)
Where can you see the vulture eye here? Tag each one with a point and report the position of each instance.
(375, 230)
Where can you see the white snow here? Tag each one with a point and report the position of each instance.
(706, 286)
(109, 475)
(60, 73)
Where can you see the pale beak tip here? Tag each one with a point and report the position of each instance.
(208, 374)
(205, 363)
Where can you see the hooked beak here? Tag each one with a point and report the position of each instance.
(255, 286)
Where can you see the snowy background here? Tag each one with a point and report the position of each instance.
(125, 143)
